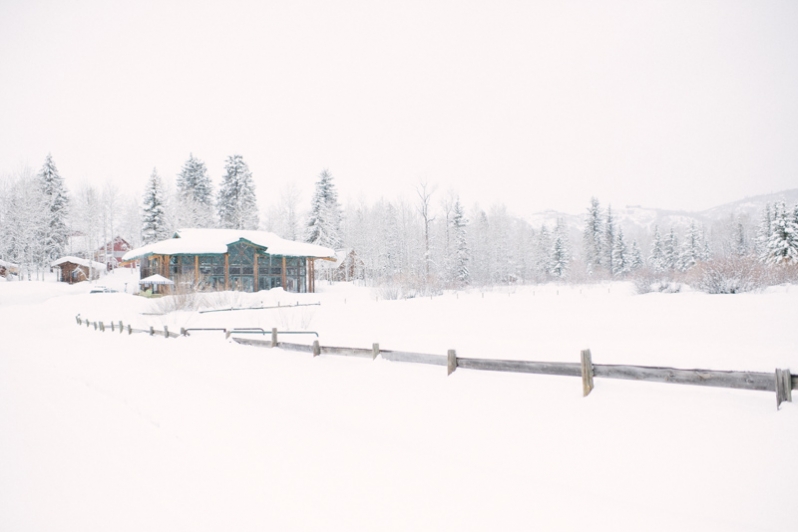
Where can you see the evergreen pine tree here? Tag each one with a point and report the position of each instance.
(740, 245)
(635, 257)
(55, 232)
(155, 226)
(657, 258)
(671, 254)
(691, 251)
(609, 240)
(763, 233)
(480, 258)
(783, 243)
(704, 251)
(559, 261)
(543, 254)
(236, 203)
(462, 276)
(620, 256)
(593, 239)
(324, 223)
(195, 195)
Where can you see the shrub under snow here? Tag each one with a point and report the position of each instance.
(732, 275)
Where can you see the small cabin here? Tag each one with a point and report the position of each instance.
(75, 270)
(231, 259)
(347, 266)
(8, 268)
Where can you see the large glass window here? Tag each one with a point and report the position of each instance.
(187, 266)
(242, 266)
(211, 272)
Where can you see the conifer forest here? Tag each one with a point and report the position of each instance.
(423, 243)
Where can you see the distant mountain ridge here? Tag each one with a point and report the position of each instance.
(636, 220)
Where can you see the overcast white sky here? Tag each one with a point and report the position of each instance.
(540, 105)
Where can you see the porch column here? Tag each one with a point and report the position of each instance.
(196, 270)
(255, 273)
(227, 271)
(284, 284)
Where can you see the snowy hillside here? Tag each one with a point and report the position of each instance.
(638, 220)
(102, 431)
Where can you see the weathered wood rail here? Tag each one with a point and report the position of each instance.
(782, 382)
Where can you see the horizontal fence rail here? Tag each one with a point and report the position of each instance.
(232, 309)
(782, 382)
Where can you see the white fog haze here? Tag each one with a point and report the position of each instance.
(677, 105)
(508, 265)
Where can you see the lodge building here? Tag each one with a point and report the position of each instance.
(231, 259)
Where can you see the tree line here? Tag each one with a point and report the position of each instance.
(422, 244)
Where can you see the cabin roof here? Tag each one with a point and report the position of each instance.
(80, 262)
(215, 242)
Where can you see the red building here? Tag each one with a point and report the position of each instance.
(111, 253)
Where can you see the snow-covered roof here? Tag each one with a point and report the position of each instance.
(212, 241)
(8, 265)
(340, 257)
(81, 262)
(156, 279)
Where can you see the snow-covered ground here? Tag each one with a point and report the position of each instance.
(102, 431)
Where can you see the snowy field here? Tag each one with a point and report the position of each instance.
(102, 431)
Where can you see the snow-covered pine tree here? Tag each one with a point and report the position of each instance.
(155, 224)
(559, 262)
(236, 203)
(657, 259)
(763, 233)
(705, 253)
(635, 257)
(783, 243)
(593, 238)
(691, 251)
(543, 254)
(740, 244)
(671, 254)
(480, 250)
(195, 195)
(462, 276)
(609, 240)
(55, 231)
(324, 222)
(620, 255)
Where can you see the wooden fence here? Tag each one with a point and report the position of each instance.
(782, 382)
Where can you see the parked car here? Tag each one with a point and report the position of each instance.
(102, 290)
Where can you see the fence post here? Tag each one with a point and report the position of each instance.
(130, 329)
(112, 327)
(587, 373)
(152, 330)
(274, 335)
(102, 327)
(316, 348)
(375, 350)
(77, 318)
(227, 334)
(166, 332)
(451, 362)
(88, 324)
(121, 327)
(95, 325)
(183, 331)
(783, 386)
